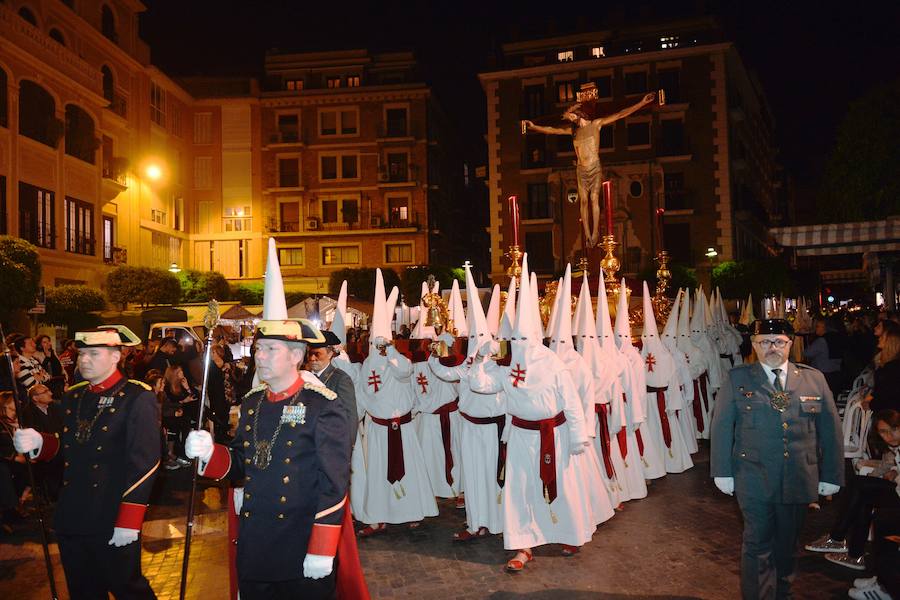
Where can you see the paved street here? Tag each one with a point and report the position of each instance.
(681, 542)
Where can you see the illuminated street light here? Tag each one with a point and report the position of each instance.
(174, 268)
(711, 252)
(153, 172)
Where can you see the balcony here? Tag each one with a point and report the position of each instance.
(115, 179)
(286, 138)
(78, 243)
(119, 106)
(115, 256)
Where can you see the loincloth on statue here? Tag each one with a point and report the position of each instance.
(589, 177)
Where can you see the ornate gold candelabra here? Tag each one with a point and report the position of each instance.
(515, 263)
(611, 265)
(662, 306)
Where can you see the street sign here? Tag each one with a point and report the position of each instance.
(40, 303)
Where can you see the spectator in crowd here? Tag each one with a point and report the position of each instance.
(44, 415)
(220, 390)
(68, 358)
(30, 369)
(861, 345)
(51, 364)
(7, 379)
(825, 352)
(179, 403)
(886, 390)
(13, 476)
(164, 356)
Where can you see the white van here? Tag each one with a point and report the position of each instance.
(194, 331)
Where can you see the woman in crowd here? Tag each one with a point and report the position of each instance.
(176, 410)
(886, 390)
(52, 365)
(13, 477)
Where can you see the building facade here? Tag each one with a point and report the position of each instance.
(706, 157)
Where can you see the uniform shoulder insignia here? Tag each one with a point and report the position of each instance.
(141, 383)
(258, 388)
(80, 384)
(802, 366)
(321, 389)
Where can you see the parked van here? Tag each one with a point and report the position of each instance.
(189, 331)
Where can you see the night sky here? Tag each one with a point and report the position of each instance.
(812, 58)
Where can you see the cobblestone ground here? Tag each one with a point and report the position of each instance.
(683, 541)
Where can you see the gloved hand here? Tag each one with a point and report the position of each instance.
(316, 566)
(199, 444)
(576, 448)
(238, 499)
(380, 341)
(28, 440)
(123, 537)
(828, 489)
(488, 348)
(725, 485)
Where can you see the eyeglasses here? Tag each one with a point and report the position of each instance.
(779, 344)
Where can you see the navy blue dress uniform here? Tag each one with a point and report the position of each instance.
(338, 382)
(777, 445)
(292, 452)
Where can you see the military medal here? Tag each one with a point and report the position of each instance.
(263, 455)
(83, 432)
(85, 427)
(291, 414)
(779, 401)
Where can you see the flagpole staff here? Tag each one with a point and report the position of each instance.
(38, 502)
(209, 320)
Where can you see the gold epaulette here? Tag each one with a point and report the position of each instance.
(258, 388)
(141, 383)
(321, 389)
(80, 384)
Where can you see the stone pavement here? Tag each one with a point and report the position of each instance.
(681, 542)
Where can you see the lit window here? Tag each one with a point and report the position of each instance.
(340, 255)
(667, 42)
(333, 82)
(565, 91)
(290, 257)
(294, 85)
(598, 52)
(159, 216)
(353, 81)
(565, 56)
(398, 253)
(237, 219)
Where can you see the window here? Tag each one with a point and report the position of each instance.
(668, 42)
(598, 52)
(397, 166)
(203, 128)
(395, 122)
(288, 128)
(338, 166)
(672, 136)
(109, 238)
(398, 210)
(108, 24)
(178, 213)
(340, 255)
(294, 85)
(27, 15)
(398, 253)
(329, 211)
(670, 81)
(353, 81)
(639, 134)
(202, 172)
(678, 241)
(535, 152)
(340, 211)
(350, 211)
(37, 216)
(289, 172)
(159, 216)
(333, 82)
(175, 113)
(109, 85)
(37, 114)
(636, 82)
(157, 105)
(80, 140)
(290, 257)
(532, 101)
(635, 189)
(289, 216)
(237, 219)
(57, 36)
(607, 137)
(673, 185)
(604, 86)
(338, 122)
(565, 56)
(79, 227)
(539, 245)
(565, 91)
(538, 206)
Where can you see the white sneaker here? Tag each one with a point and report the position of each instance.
(872, 593)
(864, 583)
(826, 544)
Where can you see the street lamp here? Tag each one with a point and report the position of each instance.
(153, 172)
(174, 268)
(711, 253)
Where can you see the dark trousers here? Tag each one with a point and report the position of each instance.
(885, 553)
(768, 551)
(292, 589)
(93, 568)
(863, 495)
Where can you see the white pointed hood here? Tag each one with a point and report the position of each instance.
(508, 318)
(493, 314)
(561, 334)
(477, 323)
(456, 311)
(658, 363)
(696, 360)
(534, 305)
(649, 331)
(670, 331)
(522, 323)
(274, 304)
(341, 317)
(421, 331)
(747, 316)
(548, 332)
(623, 327)
(698, 321)
(381, 320)
(586, 342)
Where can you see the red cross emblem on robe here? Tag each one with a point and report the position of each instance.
(423, 381)
(375, 380)
(651, 361)
(518, 375)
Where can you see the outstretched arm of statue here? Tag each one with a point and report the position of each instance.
(625, 112)
(530, 126)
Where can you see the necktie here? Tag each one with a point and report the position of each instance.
(776, 383)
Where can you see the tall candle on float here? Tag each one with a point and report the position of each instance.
(660, 212)
(514, 217)
(607, 206)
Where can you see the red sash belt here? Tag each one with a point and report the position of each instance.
(704, 379)
(601, 410)
(548, 449)
(444, 413)
(622, 434)
(500, 422)
(663, 416)
(698, 408)
(396, 468)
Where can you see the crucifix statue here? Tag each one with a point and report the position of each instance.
(585, 131)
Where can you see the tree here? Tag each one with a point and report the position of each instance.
(860, 180)
(142, 285)
(203, 286)
(361, 282)
(248, 294)
(20, 270)
(760, 277)
(71, 305)
(411, 281)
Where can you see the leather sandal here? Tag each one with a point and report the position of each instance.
(516, 564)
(460, 502)
(465, 535)
(414, 524)
(568, 550)
(370, 530)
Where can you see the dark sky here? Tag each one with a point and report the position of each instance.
(812, 57)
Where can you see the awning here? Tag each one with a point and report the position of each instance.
(840, 238)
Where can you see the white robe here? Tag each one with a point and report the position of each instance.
(545, 391)
(676, 456)
(685, 416)
(410, 499)
(479, 448)
(629, 466)
(652, 457)
(358, 458)
(431, 393)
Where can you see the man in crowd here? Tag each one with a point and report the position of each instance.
(43, 415)
(776, 445)
(318, 361)
(30, 369)
(110, 442)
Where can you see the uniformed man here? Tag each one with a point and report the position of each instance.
(292, 450)
(318, 361)
(775, 445)
(110, 444)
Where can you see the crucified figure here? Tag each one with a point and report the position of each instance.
(585, 132)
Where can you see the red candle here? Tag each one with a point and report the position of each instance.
(607, 203)
(660, 212)
(514, 217)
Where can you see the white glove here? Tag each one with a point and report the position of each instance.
(489, 348)
(828, 489)
(576, 448)
(123, 537)
(28, 440)
(199, 444)
(316, 566)
(380, 341)
(725, 485)
(238, 499)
